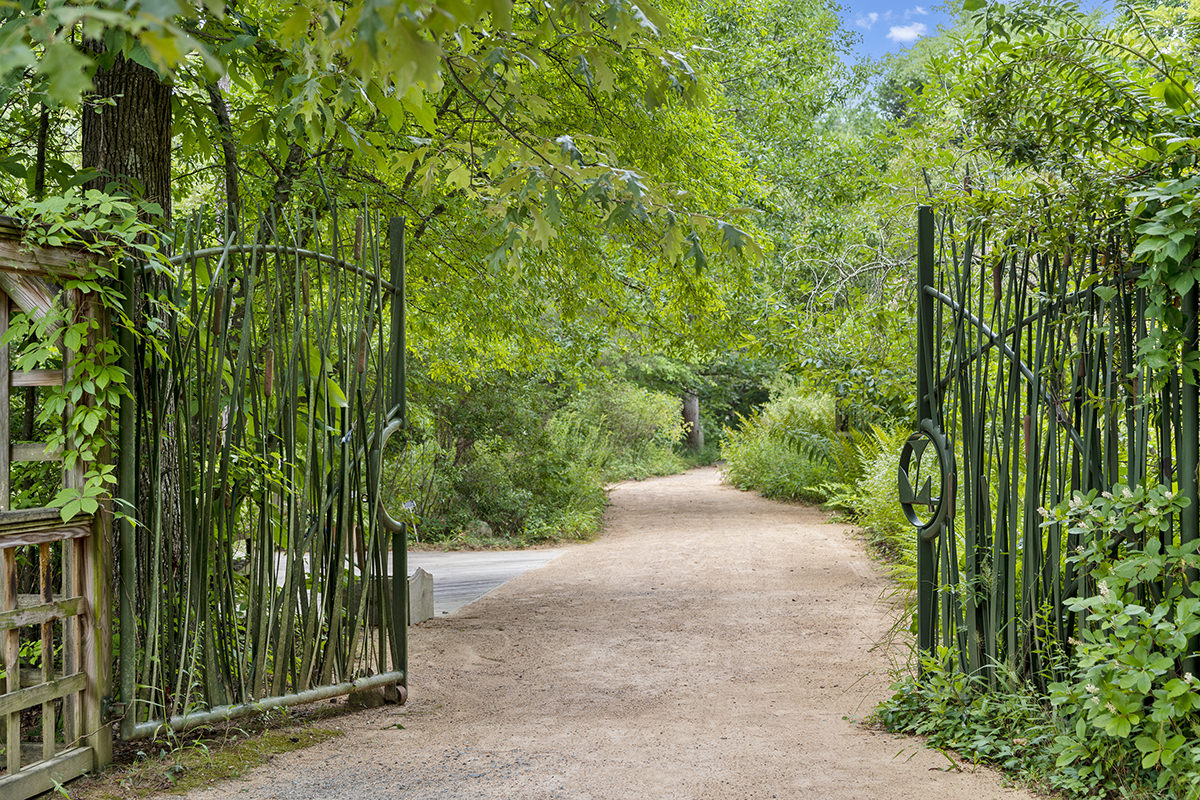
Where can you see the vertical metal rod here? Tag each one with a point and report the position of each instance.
(1189, 444)
(400, 411)
(397, 277)
(127, 495)
(926, 553)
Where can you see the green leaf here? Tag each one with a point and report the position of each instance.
(337, 398)
(64, 67)
(459, 177)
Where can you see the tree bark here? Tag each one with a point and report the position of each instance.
(691, 418)
(127, 133)
(233, 197)
(127, 140)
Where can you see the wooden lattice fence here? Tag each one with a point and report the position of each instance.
(55, 587)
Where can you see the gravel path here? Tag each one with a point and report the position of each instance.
(710, 645)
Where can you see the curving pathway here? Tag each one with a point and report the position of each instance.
(710, 645)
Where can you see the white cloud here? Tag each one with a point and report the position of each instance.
(907, 34)
(920, 11)
(867, 20)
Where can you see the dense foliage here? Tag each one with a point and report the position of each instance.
(611, 206)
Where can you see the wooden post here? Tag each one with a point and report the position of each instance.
(97, 645)
(12, 655)
(93, 581)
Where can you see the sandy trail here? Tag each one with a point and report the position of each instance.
(711, 644)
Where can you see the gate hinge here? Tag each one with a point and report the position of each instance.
(111, 711)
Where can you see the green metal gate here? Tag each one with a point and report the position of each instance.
(1029, 389)
(265, 571)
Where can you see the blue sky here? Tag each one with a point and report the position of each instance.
(888, 27)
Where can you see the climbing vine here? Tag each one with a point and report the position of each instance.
(80, 413)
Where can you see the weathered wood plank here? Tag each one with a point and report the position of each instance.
(12, 656)
(97, 634)
(26, 516)
(5, 428)
(25, 538)
(19, 257)
(30, 293)
(41, 614)
(42, 776)
(44, 692)
(34, 451)
(72, 626)
(47, 588)
(37, 377)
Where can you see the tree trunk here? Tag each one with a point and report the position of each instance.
(691, 418)
(127, 140)
(127, 132)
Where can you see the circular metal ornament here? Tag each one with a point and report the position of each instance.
(926, 511)
(389, 522)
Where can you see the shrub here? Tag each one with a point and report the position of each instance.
(791, 449)
(510, 463)
(1002, 724)
(641, 428)
(1123, 718)
(873, 501)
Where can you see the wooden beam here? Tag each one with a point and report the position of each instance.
(24, 538)
(12, 657)
(30, 293)
(18, 701)
(34, 451)
(25, 518)
(41, 613)
(37, 377)
(43, 776)
(21, 258)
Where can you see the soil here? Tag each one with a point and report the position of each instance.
(710, 644)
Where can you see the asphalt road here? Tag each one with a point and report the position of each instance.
(463, 577)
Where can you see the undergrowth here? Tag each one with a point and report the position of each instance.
(519, 462)
(1115, 713)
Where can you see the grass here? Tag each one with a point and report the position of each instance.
(182, 763)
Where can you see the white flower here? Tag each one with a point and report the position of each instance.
(1105, 592)
(1106, 495)
(1091, 688)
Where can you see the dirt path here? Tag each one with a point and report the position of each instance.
(710, 645)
